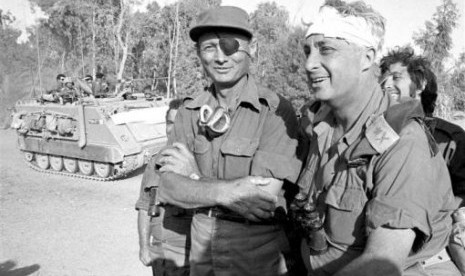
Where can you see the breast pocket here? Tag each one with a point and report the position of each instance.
(238, 154)
(345, 215)
(202, 156)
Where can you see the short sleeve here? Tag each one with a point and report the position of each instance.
(150, 179)
(411, 187)
(182, 133)
(276, 154)
(183, 128)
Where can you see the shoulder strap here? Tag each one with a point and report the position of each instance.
(383, 131)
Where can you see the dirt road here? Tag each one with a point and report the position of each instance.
(55, 225)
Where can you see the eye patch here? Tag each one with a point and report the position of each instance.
(229, 45)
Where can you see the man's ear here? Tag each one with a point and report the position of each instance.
(253, 47)
(419, 90)
(416, 94)
(368, 58)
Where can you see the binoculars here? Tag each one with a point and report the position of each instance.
(307, 219)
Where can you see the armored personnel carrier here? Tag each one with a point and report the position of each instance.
(100, 139)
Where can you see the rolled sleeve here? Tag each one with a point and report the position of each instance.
(411, 187)
(276, 155)
(398, 213)
(183, 128)
(149, 179)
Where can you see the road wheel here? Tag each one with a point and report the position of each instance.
(42, 161)
(56, 162)
(86, 167)
(29, 156)
(103, 170)
(70, 165)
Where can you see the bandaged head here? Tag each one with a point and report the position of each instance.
(330, 23)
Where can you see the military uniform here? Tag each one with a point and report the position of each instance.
(169, 232)
(260, 141)
(400, 183)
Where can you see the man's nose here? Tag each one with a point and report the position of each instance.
(388, 83)
(220, 56)
(312, 62)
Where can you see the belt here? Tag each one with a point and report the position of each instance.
(441, 257)
(215, 212)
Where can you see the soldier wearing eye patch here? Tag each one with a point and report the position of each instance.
(233, 147)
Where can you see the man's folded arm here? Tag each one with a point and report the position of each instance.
(239, 195)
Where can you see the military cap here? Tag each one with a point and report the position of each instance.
(221, 18)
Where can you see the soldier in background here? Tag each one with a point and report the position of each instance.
(89, 80)
(100, 86)
(163, 240)
(51, 95)
(406, 75)
(69, 93)
(74, 89)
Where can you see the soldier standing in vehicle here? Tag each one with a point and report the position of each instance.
(51, 95)
(100, 87)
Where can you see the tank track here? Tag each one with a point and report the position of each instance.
(82, 176)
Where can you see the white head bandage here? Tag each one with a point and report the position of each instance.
(354, 29)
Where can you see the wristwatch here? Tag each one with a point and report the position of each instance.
(194, 176)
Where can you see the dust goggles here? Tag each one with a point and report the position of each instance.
(215, 121)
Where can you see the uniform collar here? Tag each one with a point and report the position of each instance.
(324, 119)
(252, 94)
(377, 104)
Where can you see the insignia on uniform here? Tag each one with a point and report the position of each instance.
(380, 134)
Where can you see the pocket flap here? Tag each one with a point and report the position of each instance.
(240, 146)
(346, 199)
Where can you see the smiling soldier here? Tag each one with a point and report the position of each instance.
(378, 195)
(243, 139)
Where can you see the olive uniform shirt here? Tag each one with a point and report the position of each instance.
(261, 141)
(405, 187)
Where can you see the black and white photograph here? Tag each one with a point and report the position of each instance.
(232, 138)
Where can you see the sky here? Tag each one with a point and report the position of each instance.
(404, 17)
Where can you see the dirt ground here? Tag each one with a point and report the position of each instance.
(55, 225)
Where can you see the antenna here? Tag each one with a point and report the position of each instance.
(82, 50)
(82, 44)
(38, 59)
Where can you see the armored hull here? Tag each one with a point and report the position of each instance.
(100, 139)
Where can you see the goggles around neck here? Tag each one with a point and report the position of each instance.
(216, 121)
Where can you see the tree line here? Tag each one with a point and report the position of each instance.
(82, 37)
